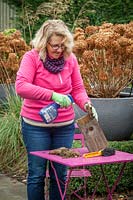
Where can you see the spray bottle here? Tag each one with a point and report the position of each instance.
(50, 112)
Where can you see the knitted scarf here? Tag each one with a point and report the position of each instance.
(54, 65)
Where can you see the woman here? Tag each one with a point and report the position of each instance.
(49, 73)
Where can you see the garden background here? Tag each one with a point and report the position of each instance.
(29, 15)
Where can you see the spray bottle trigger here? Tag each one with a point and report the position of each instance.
(70, 97)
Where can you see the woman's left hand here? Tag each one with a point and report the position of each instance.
(89, 106)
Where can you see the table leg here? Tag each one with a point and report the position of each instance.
(62, 194)
(110, 191)
(67, 182)
(118, 178)
(95, 189)
(106, 184)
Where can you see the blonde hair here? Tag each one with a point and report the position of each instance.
(47, 30)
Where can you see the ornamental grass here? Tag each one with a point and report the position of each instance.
(12, 151)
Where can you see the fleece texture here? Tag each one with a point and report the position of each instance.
(35, 84)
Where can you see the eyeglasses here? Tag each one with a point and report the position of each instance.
(56, 46)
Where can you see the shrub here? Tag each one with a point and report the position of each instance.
(12, 48)
(105, 55)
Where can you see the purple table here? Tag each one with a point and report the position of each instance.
(119, 157)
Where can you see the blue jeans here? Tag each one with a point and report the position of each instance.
(44, 138)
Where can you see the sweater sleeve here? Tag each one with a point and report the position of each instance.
(78, 90)
(24, 81)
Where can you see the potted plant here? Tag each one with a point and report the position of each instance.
(105, 55)
(12, 48)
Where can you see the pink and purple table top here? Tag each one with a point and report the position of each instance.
(80, 161)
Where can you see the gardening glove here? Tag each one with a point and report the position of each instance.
(89, 108)
(62, 100)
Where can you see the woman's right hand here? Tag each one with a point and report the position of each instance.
(61, 99)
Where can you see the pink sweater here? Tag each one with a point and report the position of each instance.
(35, 85)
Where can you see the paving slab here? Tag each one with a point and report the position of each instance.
(11, 189)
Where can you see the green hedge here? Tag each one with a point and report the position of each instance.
(111, 170)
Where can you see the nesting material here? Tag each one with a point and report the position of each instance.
(65, 152)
